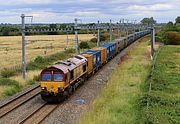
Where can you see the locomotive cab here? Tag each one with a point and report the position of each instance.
(52, 82)
(61, 79)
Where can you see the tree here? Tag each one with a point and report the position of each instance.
(169, 24)
(170, 27)
(6, 31)
(148, 21)
(84, 45)
(53, 26)
(178, 20)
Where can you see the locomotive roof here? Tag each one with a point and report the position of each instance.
(70, 64)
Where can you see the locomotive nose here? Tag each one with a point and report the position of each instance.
(52, 87)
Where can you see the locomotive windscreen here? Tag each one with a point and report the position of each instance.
(52, 76)
(46, 77)
(58, 77)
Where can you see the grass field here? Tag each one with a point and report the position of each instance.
(164, 98)
(43, 45)
(10, 56)
(117, 103)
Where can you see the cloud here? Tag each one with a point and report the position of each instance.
(154, 7)
(89, 10)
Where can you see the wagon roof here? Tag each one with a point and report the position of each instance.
(91, 52)
(98, 48)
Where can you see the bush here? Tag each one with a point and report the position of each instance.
(6, 73)
(104, 37)
(84, 45)
(7, 82)
(93, 40)
(70, 50)
(34, 80)
(12, 90)
(172, 38)
(170, 27)
(39, 59)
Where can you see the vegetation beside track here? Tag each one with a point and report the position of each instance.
(11, 87)
(11, 80)
(117, 103)
(164, 96)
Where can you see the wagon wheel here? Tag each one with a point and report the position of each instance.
(70, 90)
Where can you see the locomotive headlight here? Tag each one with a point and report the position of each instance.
(43, 88)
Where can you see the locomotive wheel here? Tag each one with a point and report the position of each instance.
(83, 80)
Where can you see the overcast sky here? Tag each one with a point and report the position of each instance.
(58, 11)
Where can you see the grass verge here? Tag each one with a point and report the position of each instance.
(164, 96)
(12, 86)
(117, 102)
(10, 77)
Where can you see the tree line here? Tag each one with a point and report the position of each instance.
(16, 30)
(170, 33)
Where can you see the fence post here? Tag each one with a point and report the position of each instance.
(153, 36)
(152, 44)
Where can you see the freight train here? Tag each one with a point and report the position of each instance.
(61, 79)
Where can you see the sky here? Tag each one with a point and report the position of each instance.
(65, 11)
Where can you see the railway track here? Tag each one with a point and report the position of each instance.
(38, 115)
(19, 100)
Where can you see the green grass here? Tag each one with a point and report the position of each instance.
(12, 86)
(164, 98)
(117, 102)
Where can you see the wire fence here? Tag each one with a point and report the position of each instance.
(151, 74)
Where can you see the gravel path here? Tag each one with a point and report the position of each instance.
(70, 110)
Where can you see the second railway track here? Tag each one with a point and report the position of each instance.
(38, 115)
(19, 100)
